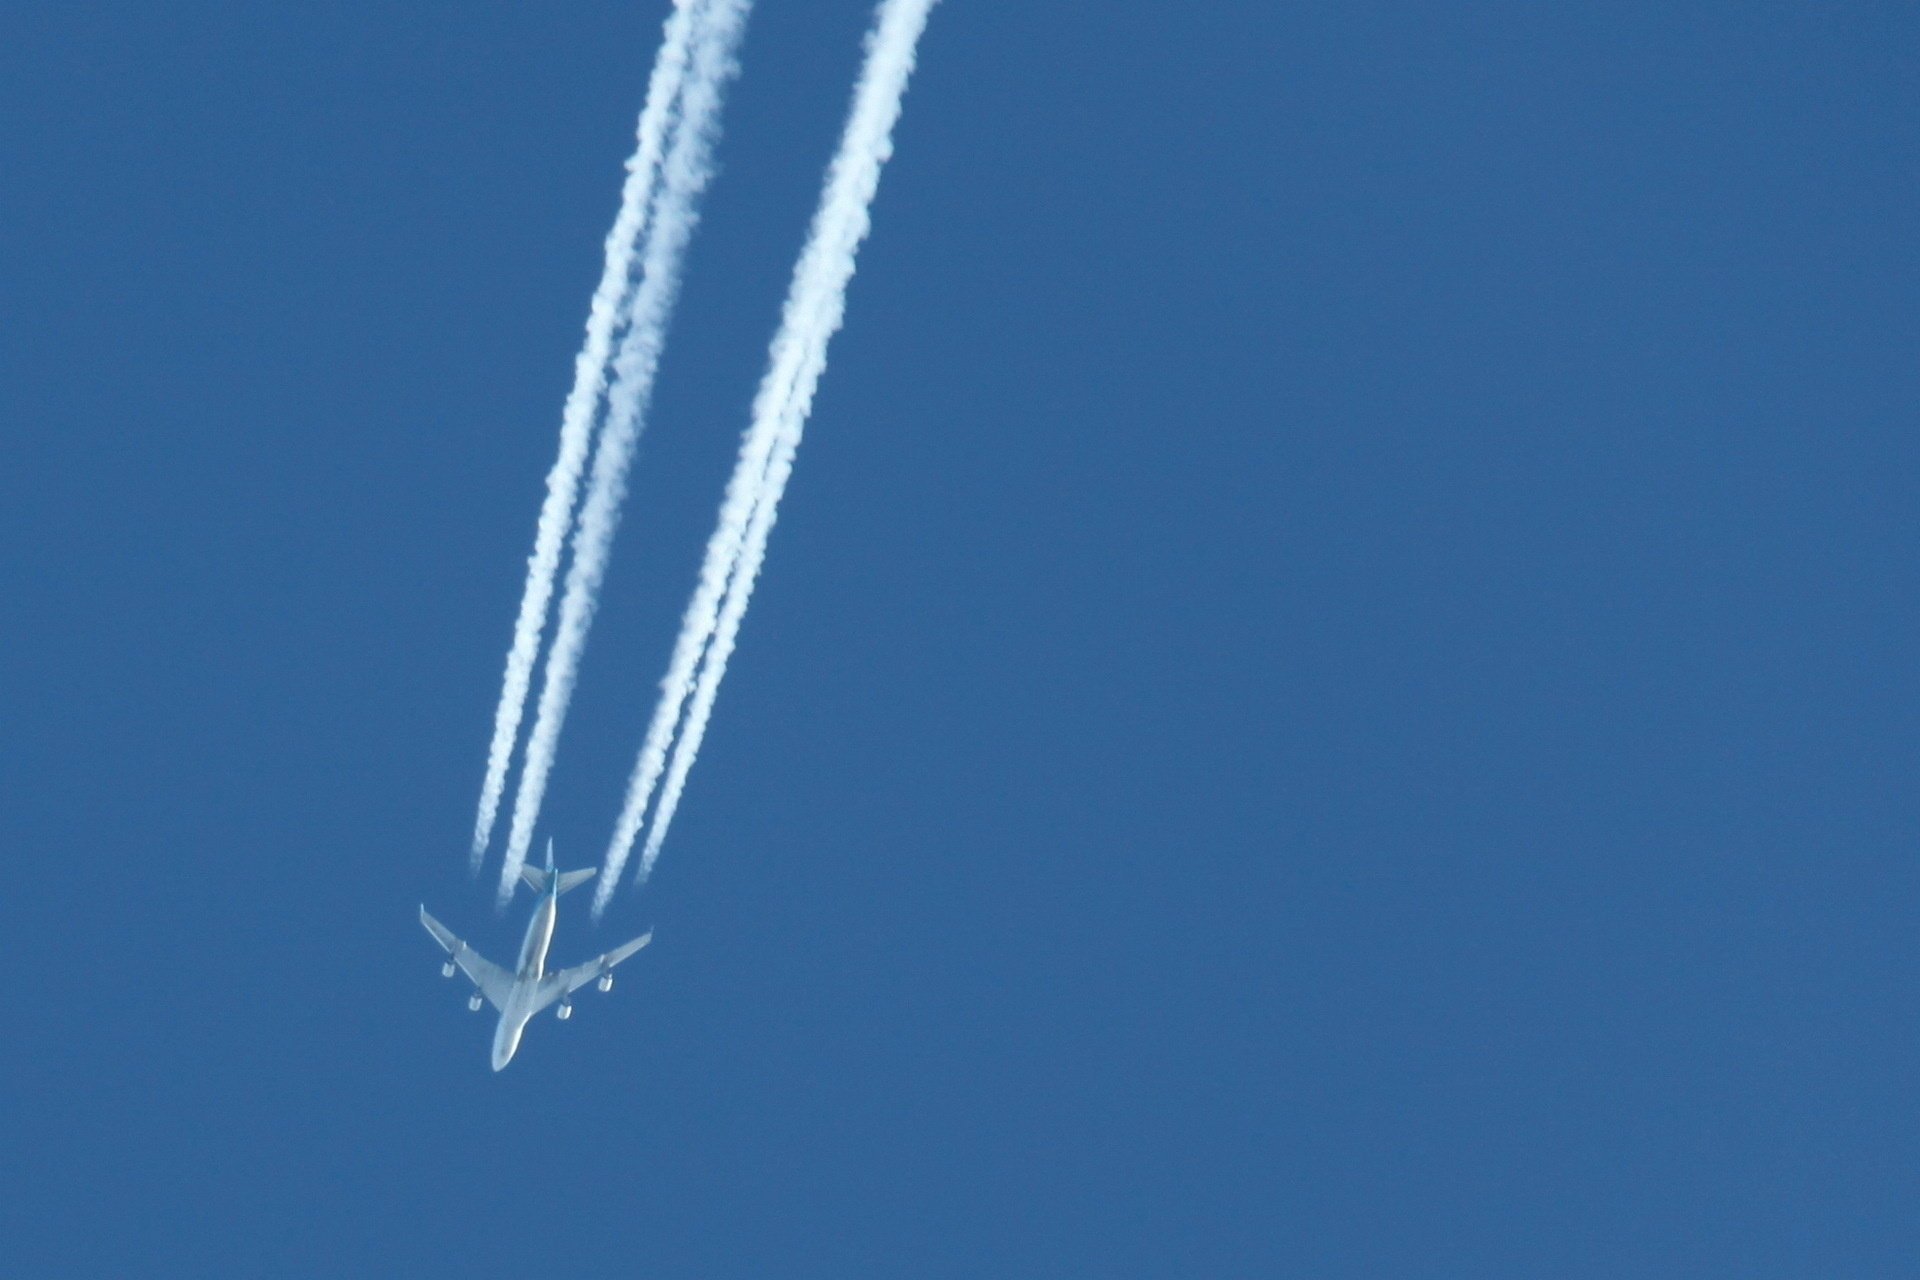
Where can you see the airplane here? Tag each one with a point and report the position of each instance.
(529, 988)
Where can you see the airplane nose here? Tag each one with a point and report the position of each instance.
(505, 1041)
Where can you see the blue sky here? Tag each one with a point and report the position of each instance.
(1332, 694)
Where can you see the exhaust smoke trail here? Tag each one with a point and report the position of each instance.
(684, 174)
(815, 307)
(576, 420)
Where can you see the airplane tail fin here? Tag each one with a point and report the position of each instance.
(537, 877)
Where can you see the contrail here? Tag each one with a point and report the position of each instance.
(684, 174)
(815, 306)
(576, 420)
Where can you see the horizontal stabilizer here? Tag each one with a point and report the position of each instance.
(537, 877)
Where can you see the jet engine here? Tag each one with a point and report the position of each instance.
(565, 1012)
(606, 982)
(474, 1002)
(446, 970)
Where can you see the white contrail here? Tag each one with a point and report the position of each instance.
(685, 172)
(816, 304)
(576, 420)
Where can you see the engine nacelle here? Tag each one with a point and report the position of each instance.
(606, 982)
(446, 970)
(474, 1002)
(566, 1011)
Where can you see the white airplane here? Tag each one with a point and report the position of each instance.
(529, 988)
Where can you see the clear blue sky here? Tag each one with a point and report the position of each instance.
(1333, 695)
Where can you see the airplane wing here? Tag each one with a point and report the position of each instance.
(567, 981)
(493, 981)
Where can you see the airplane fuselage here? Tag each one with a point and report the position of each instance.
(523, 1001)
